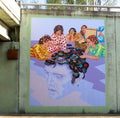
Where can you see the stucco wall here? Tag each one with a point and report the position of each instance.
(8, 81)
(112, 35)
(15, 74)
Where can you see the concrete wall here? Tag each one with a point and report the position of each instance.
(9, 70)
(112, 37)
(14, 75)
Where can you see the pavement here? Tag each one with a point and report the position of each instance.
(59, 116)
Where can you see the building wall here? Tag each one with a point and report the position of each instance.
(112, 37)
(9, 71)
(14, 74)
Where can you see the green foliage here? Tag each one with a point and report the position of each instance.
(54, 1)
(70, 1)
(80, 1)
(67, 1)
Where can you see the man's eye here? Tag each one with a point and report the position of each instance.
(59, 76)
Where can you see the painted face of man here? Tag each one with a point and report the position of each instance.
(57, 77)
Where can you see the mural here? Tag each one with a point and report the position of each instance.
(67, 62)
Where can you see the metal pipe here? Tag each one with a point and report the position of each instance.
(71, 5)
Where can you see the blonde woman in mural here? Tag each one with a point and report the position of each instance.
(43, 49)
(95, 48)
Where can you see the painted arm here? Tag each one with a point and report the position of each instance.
(90, 57)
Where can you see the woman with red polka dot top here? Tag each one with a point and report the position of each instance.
(58, 38)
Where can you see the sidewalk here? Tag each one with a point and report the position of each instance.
(59, 116)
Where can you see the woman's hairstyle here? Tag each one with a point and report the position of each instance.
(82, 33)
(83, 26)
(72, 28)
(93, 38)
(57, 28)
(44, 39)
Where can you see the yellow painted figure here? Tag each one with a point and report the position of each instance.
(40, 50)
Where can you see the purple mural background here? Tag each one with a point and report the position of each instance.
(51, 86)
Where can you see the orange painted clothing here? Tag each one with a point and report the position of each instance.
(80, 38)
(70, 38)
(40, 52)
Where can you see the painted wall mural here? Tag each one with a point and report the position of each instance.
(67, 62)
